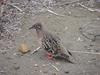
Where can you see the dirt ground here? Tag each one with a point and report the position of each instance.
(67, 28)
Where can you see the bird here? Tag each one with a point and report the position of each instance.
(51, 43)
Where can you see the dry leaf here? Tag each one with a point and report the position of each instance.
(24, 48)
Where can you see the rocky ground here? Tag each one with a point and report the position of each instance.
(78, 28)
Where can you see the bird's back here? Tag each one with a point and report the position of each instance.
(51, 43)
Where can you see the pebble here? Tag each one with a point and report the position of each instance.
(16, 67)
(44, 65)
(36, 65)
(36, 70)
(41, 71)
(67, 72)
(79, 39)
(65, 28)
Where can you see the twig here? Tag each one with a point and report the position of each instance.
(48, 9)
(54, 12)
(3, 51)
(54, 67)
(16, 7)
(81, 31)
(90, 9)
(68, 3)
(35, 50)
(1, 10)
(85, 52)
(80, 51)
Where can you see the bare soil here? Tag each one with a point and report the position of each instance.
(12, 62)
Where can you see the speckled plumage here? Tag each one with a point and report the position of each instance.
(51, 43)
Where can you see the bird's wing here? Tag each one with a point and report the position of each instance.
(65, 50)
(60, 45)
(50, 42)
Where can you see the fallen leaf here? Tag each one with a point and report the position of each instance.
(24, 48)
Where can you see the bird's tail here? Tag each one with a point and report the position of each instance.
(63, 57)
(69, 52)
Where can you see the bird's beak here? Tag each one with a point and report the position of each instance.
(31, 27)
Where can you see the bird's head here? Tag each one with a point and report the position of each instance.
(37, 26)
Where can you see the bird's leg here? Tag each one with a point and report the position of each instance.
(49, 55)
(35, 50)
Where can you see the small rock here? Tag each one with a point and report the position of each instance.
(69, 12)
(36, 65)
(65, 28)
(79, 39)
(67, 72)
(41, 71)
(2, 72)
(97, 18)
(17, 54)
(44, 65)
(16, 67)
(36, 70)
(96, 50)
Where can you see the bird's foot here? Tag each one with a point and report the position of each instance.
(50, 56)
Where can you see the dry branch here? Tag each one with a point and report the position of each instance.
(54, 12)
(16, 7)
(90, 9)
(35, 50)
(54, 67)
(85, 52)
(68, 3)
